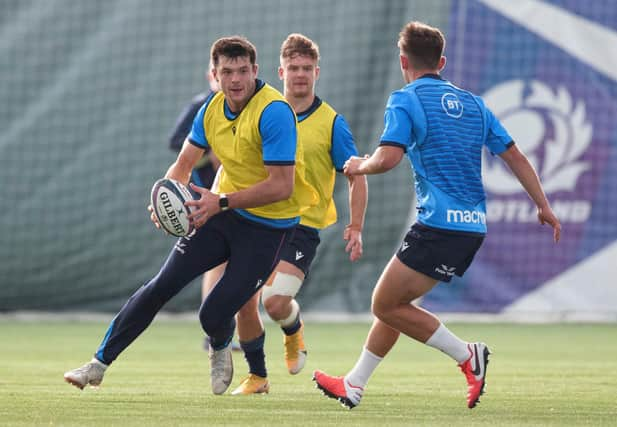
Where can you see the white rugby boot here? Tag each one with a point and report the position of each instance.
(91, 373)
(221, 369)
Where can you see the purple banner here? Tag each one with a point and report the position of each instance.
(560, 107)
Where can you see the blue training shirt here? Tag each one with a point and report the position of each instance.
(442, 129)
(343, 146)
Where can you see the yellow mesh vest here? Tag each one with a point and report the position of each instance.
(315, 134)
(237, 144)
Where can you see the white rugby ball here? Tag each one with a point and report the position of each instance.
(167, 198)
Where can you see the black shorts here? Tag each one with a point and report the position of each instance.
(438, 253)
(300, 250)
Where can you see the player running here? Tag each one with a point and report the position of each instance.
(328, 143)
(443, 130)
(251, 129)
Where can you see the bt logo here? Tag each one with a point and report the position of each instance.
(452, 105)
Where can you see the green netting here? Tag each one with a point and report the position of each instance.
(90, 91)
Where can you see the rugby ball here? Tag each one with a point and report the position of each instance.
(167, 198)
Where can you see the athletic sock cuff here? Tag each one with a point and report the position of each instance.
(255, 344)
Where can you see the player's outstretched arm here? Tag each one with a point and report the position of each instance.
(180, 170)
(382, 160)
(358, 197)
(527, 176)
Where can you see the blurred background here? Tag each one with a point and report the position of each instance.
(91, 90)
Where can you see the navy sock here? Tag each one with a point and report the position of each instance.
(292, 329)
(255, 355)
(219, 344)
(223, 336)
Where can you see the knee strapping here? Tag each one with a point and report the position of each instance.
(283, 284)
(293, 315)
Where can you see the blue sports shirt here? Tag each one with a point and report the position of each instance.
(343, 146)
(442, 129)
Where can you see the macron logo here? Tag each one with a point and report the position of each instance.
(404, 246)
(468, 217)
(179, 246)
(299, 255)
(259, 282)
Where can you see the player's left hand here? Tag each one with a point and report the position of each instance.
(154, 219)
(353, 237)
(546, 216)
(203, 208)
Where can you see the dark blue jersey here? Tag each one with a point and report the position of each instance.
(203, 174)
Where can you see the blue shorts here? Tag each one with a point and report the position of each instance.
(438, 253)
(300, 250)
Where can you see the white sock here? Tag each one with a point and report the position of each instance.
(364, 368)
(98, 362)
(449, 343)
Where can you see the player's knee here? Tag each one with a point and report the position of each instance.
(380, 308)
(376, 310)
(277, 296)
(277, 306)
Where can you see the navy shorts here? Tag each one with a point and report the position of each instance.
(252, 251)
(439, 253)
(300, 250)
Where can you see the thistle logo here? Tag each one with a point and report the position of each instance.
(553, 131)
(445, 270)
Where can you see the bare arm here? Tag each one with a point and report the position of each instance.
(276, 187)
(527, 176)
(180, 170)
(358, 196)
(382, 160)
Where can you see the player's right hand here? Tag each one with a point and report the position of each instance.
(203, 208)
(353, 236)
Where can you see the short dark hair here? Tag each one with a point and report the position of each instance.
(298, 44)
(422, 44)
(233, 47)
